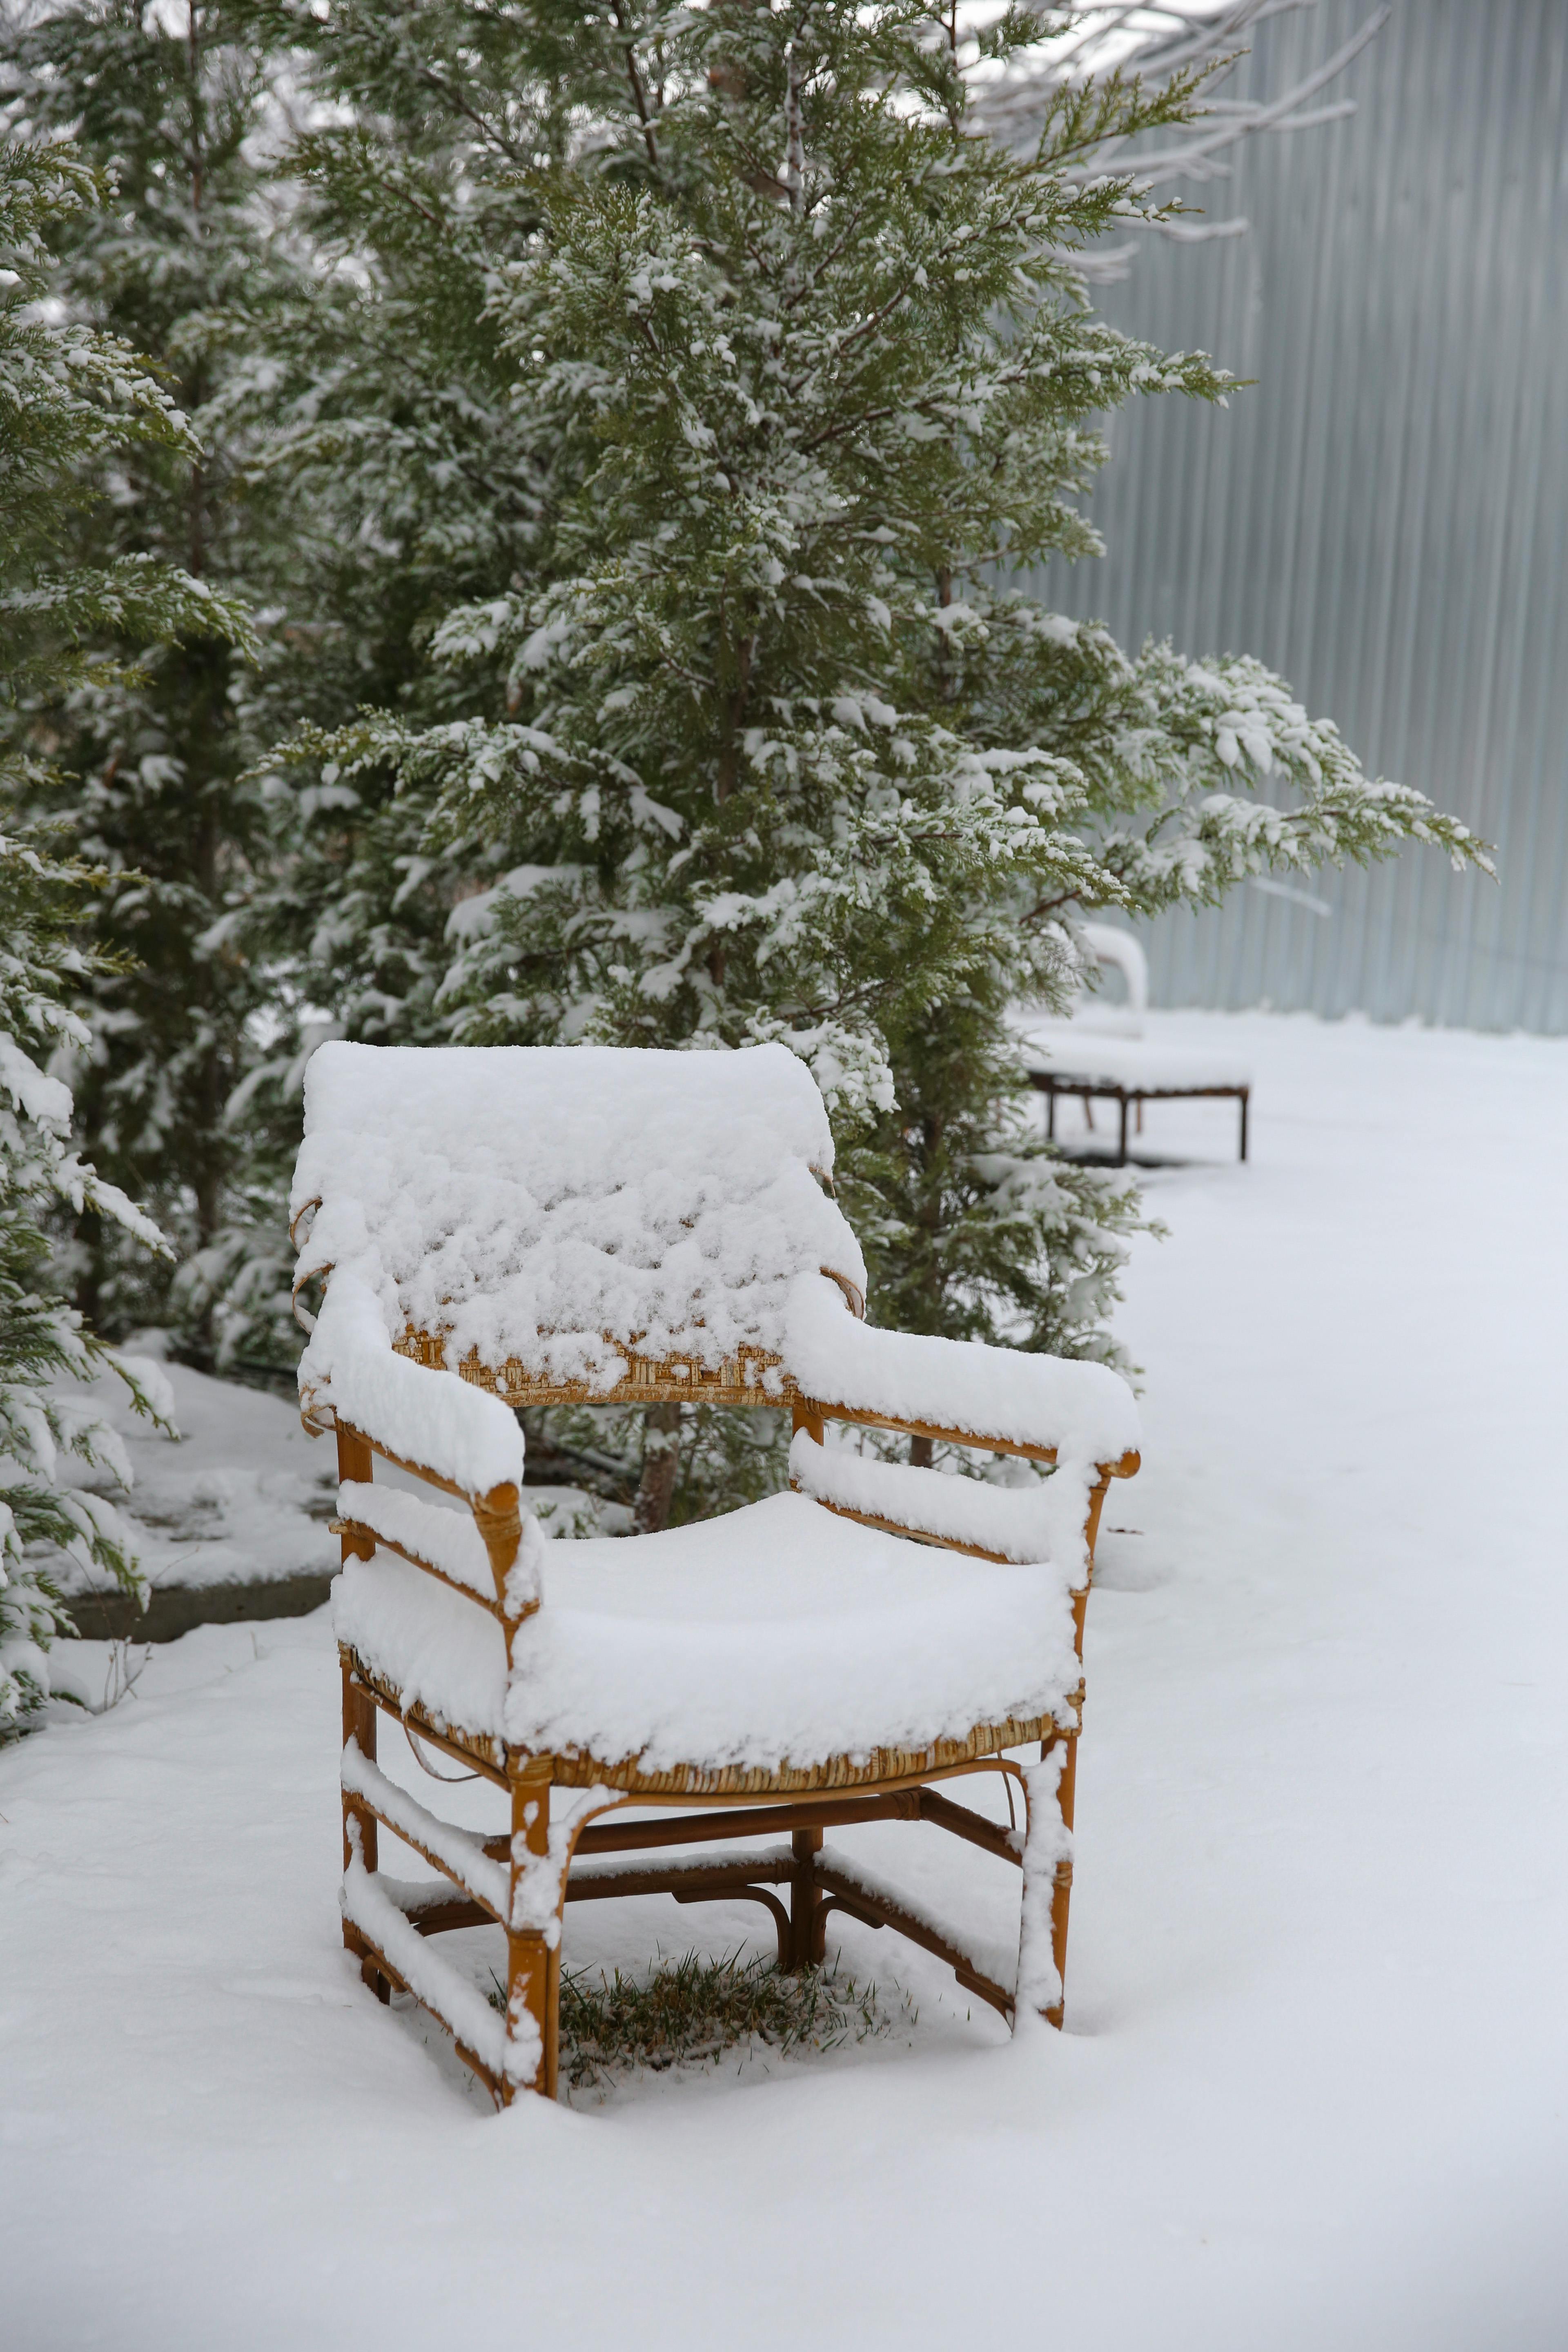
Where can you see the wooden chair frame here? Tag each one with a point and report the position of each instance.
(522, 1881)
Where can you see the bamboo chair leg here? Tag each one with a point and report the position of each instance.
(533, 1966)
(1061, 1892)
(804, 1901)
(356, 1461)
(358, 1723)
(1066, 1787)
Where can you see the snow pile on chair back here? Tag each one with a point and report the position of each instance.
(558, 1207)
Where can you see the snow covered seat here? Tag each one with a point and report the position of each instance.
(1099, 1053)
(501, 1225)
(1078, 1057)
(779, 1635)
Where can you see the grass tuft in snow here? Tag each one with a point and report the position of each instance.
(696, 2010)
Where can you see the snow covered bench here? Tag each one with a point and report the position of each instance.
(1100, 1055)
(503, 1227)
(1068, 1057)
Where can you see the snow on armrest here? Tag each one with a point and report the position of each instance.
(446, 1542)
(1039, 1524)
(1084, 1411)
(433, 1419)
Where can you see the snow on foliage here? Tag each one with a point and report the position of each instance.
(45, 1347)
(761, 740)
(67, 396)
(167, 254)
(656, 424)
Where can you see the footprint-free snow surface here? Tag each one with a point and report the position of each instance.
(242, 1496)
(1312, 2088)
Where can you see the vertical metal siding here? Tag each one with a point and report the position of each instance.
(1382, 519)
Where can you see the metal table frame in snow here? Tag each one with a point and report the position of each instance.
(1052, 1083)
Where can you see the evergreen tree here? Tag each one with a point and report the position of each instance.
(153, 746)
(763, 740)
(405, 482)
(71, 401)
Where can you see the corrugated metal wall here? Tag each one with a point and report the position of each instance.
(1382, 520)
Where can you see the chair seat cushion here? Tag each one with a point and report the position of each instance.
(778, 1634)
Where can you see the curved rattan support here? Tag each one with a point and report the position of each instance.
(747, 1894)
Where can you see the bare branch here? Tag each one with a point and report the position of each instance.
(1158, 40)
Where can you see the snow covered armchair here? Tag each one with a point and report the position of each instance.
(505, 1226)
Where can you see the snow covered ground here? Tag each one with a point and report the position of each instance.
(242, 1494)
(1312, 2088)
(235, 1506)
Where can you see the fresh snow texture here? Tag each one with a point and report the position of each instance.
(444, 1655)
(240, 1497)
(1085, 1411)
(1313, 2089)
(447, 1539)
(433, 1418)
(558, 1206)
(776, 1634)
(1110, 943)
(1082, 1050)
(1042, 1522)
(462, 1855)
(418, 1962)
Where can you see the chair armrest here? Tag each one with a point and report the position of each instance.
(1044, 1523)
(445, 1542)
(1045, 1407)
(430, 1420)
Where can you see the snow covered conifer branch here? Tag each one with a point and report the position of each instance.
(758, 738)
(67, 395)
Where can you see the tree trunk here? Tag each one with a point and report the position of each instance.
(89, 1292)
(660, 1461)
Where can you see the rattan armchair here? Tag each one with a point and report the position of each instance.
(501, 1227)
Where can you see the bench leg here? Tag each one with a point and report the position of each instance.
(1121, 1147)
(1244, 1101)
(356, 1461)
